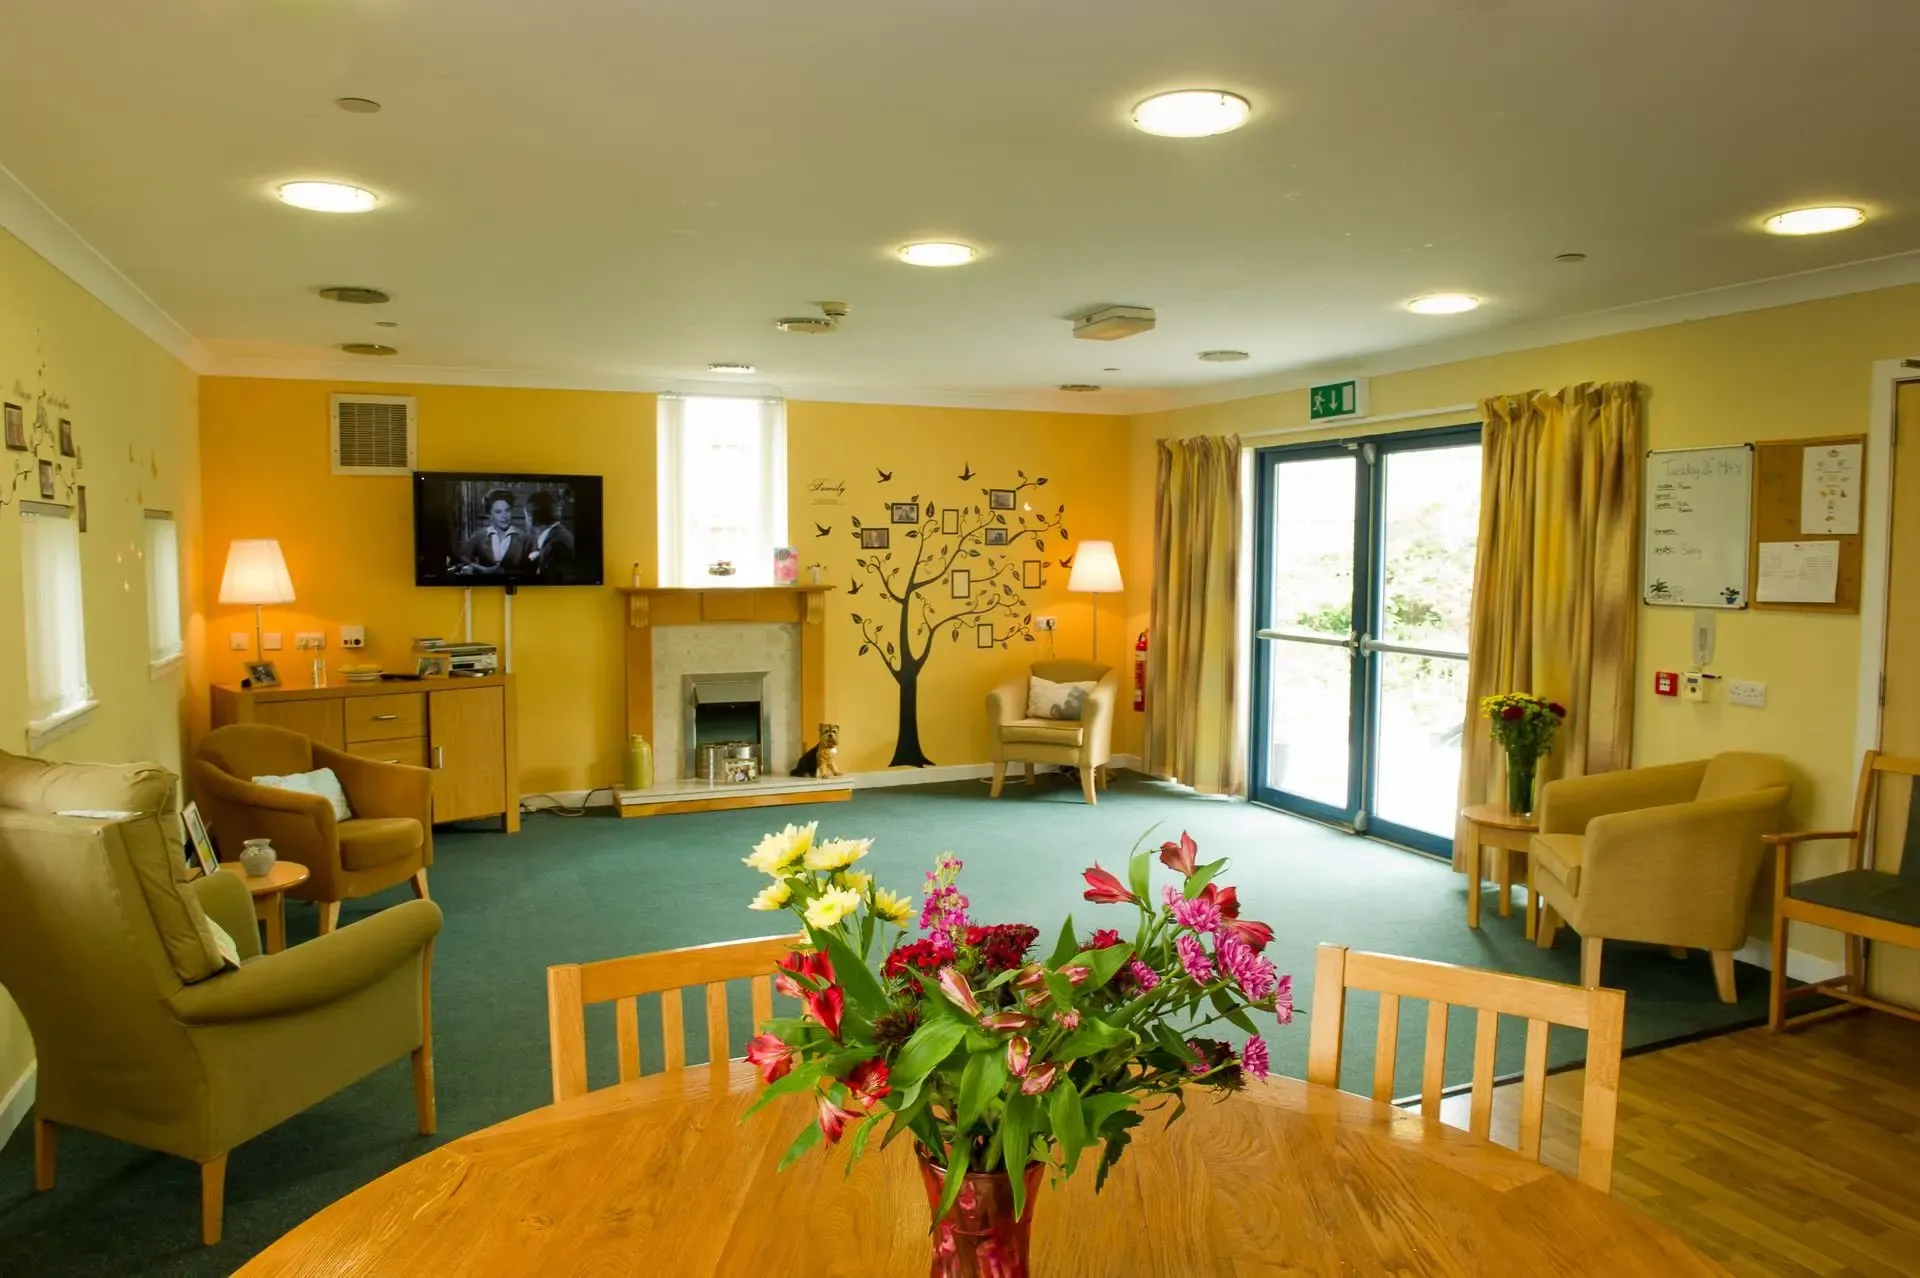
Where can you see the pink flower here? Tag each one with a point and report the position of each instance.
(1007, 1021)
(1019, 1052)
(1200, 914)
(1143, 976)
(1041, 1079)
(1076, 973)
(1253, 1058)
(1179, 857)
(867, 1083)
(1193, 958)
(834, 1118)
(955, 987)
(771, 1056)
(1104, 939)
(1283, 1000)
(1255, 976)
(1104, 889)
(1068, 1020)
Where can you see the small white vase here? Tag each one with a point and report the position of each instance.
(257, 858)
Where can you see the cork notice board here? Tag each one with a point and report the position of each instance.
(1796, 512)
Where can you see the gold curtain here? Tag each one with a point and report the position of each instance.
(1193, 706)
(1554, 583)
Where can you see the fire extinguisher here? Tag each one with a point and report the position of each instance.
(1140, 672)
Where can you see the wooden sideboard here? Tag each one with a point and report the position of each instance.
(463, 729)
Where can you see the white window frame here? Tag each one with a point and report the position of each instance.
(166, 645)
(688, 494)
(53, 604)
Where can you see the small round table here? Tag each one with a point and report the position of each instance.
(1492, 825)
(270, 896)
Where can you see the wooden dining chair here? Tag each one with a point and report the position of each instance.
(1600, 1012)
(571, 987)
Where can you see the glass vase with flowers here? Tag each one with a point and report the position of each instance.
(1525, 726)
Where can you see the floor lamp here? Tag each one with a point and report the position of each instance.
(256, 574)
(1096, 572)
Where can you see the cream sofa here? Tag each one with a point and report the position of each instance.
(1086, 743)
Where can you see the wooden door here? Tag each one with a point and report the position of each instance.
(1894, 973)
(467, 736)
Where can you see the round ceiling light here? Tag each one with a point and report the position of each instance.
(731, 368)
(326, 197)
(1223, 357)
(937, 253)
(367, 348)
(1443, 304)
(1192, 113)
(359, 106)
(356, 295)
(1816, 221)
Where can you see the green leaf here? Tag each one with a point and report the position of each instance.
(855, 977)
(980, 1082)
(858, 1145)
(907, 1112)
(1094, 1035)
(1061, 989)
(956, 1177)
(1103, 964)
(1203, 875)
(1066, 947)
(1229, 1009)
(930, 1045)
(1069, 1123)
(1137, 869)
(1016, 1141)
(803, 1078)
(801, 1144)
(1167, 1037)
(1098, 1109)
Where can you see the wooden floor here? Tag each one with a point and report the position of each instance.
(1774, 1154)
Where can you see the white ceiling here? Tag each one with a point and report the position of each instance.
(616, 192)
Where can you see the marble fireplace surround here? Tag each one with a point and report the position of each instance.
(741, 652)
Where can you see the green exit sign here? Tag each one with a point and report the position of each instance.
(1336, 400)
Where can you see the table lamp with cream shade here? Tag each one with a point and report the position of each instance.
(1096, 571)
(256, 574)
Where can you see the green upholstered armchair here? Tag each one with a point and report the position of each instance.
(143, 1032)
(388, 840)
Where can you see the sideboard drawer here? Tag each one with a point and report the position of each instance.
(411, 751)
(402, 714)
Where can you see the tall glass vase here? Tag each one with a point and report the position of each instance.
(1520, 774)
(979, 1237)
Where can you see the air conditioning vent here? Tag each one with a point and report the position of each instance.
(373, 434)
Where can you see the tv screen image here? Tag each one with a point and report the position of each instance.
(491, 529)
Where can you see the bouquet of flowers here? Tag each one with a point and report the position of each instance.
(996, 1061)
(1524, 725)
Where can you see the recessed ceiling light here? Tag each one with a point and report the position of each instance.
(1191, 113)
(367, 348)
(937, 253)
(326, 197)
(386, 323)
(1817, 221)
(1570, 257)
(1443, 304)
(1079, 388)
(731, 368)
(359, 106)
(356, 294)
(1223, 357)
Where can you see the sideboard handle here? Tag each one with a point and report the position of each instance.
(439, 756)
(383, 718)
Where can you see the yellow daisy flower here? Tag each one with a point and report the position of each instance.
(774, 853)
(831, 906)
(837, 854)
(894, 908)
(774, 896)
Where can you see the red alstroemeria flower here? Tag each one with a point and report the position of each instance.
(1104, 889)
(955, 987)
(1019, 1052)
(867, 1082)
(1180, 856)
(1255, 936)
(1041, 1079)
(1007, 1021)
(1103, 939)
(772, 1057)
(817, 968)
(1068, 1020)
(1076, 973)
(827, 1007)
(834, 1119)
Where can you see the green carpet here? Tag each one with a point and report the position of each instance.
(593, 887)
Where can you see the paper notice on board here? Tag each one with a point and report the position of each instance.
(1798, 572)
(1830, 490)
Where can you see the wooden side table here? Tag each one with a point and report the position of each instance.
(1491, 825)
(270, 896)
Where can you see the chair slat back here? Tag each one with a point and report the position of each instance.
(1600, 1012)
(573, 987)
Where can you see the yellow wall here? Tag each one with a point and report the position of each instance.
(133, 410)
(1791, 371)
(348, 542)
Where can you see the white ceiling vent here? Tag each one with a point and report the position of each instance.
(373, 434)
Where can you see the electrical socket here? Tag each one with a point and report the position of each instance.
(1744, 692)
(1046, 623)
(353, 636)
(270, 641)
(239, 642)
(306, 639)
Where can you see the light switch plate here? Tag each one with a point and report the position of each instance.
(270, 641)
(1744, 692)
(239, 642)
(307, 639)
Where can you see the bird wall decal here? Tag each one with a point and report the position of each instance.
(966, 471)
(885, 475)
(854, 589)
(822, 530)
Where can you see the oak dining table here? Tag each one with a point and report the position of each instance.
(661, 1176)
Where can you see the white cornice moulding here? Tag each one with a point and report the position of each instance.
(39, 228)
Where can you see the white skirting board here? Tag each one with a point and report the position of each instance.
(19, 1102)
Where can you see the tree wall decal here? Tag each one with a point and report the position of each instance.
(917, 566)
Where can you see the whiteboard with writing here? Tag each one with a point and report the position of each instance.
(1699, 502)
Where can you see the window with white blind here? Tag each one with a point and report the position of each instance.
(164, 644)
(723, 488)
(58, 694)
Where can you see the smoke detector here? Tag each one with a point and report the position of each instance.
(1111, 323)
(355, 294)
(831, 313)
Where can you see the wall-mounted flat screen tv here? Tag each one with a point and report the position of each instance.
(484, 528)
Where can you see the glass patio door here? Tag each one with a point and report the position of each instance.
(1365, 558)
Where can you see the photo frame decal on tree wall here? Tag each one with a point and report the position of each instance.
(1032, 576)
(950, 521)
(996, 537)
(983, 636)
(875, 538)
(960, 584)
(16, 425)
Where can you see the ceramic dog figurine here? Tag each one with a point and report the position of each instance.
(822, 759)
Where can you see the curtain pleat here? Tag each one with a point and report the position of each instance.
(1193, 710)
(1555, 576)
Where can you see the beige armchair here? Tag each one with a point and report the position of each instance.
(1085, 744)
(143, 1033)
(1668, 855)
(389, 840)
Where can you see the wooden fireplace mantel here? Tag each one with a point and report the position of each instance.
(650, 606)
